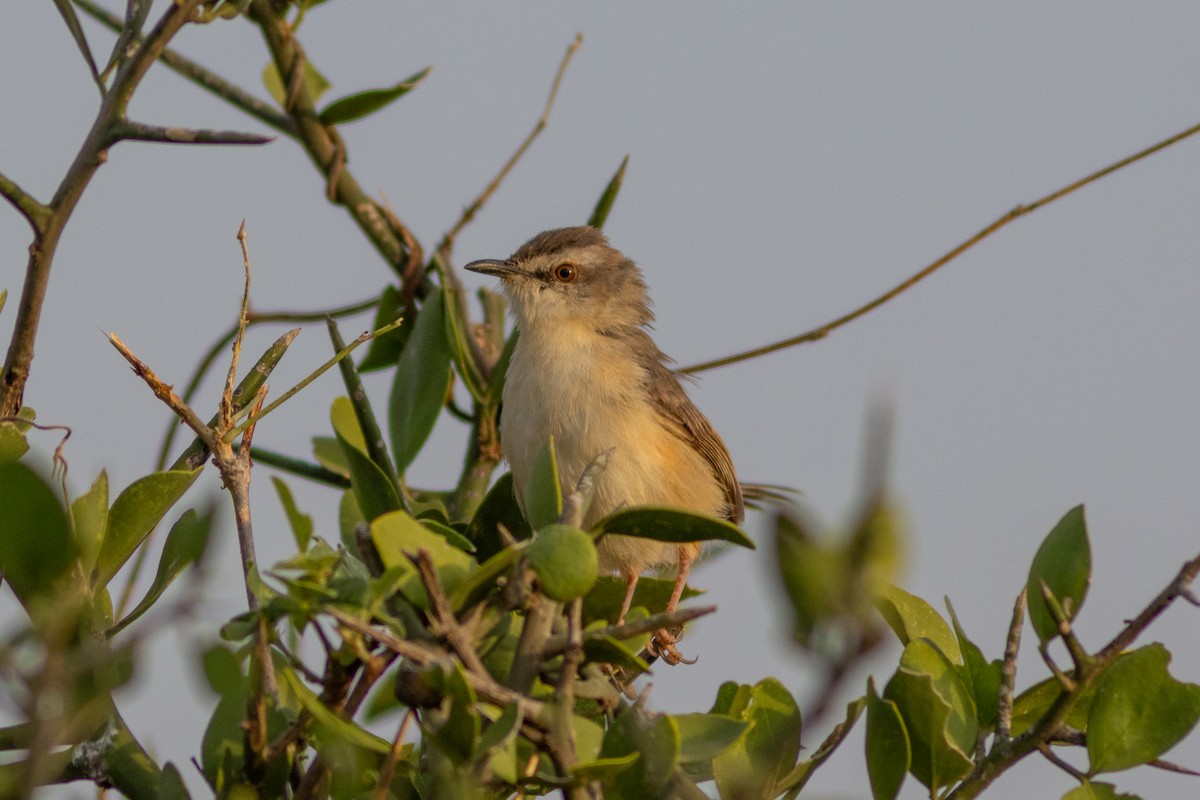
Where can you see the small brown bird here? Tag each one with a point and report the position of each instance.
(586, 372)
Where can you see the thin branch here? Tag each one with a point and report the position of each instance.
(468, 214)
(445, 623)
(1176, 589)
(33, 211)
(822, 331)
(388, 770)
(350, 348)
(1008, 669)
(253, 318)
(1044, 749)
(137, 131)
(201, 76)
(87, 161)
(164, 392)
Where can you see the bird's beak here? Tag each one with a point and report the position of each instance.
(500, 269)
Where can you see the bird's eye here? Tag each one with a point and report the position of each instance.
(565, 272)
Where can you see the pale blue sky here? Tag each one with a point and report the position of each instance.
(787, 163)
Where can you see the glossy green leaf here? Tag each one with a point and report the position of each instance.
(35, 539)
(384, 351)
(889, 752)
(608, 196)
(301, 523)
(767, 751)
(607, 650)
(362, 104)
(1139, 712)
(669, 524)
(135, 513)
(185, 545)
(1097, 791)
(314, 82)
(982, 677)
(397, 535)
(542, 495)
(458, 340)
(654, 739)
(1064, 563)
(374, 491)
(89, 517)
(498, 508)
(420, 384)
(703, 737)
(938, 713)
(502, 729)
(565, 561)
(911, 618)
(327, 722)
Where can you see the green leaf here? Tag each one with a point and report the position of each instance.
(314, 82)
(607, 650)
(502, 729)
(67, 9)
(669, 524)
(795, 780)
(565, 561)
(542, 495)
(458, 735)
(1064, 563)
(655, 739)
(301, 523)
(458, 334)
(815, 577)
(134, 514)
(223, 671)
(374, 491)
(384, 351)
(608, 196)
(981, 676)
(768, 749)
(938, 713)
(421, 382)
(329, 724)
(89, 515)
(170, 782)
(1139, 712)
(911, 618)
(889, 752)
(396, 535)
(498, 508)
(35, 539)
(1097, 791)
(362, 104)
(12, 440)
(328, 454)
(185, 545)
(703, 737)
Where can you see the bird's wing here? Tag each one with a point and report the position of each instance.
(691, 425)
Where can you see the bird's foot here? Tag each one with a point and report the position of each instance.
(662, 645)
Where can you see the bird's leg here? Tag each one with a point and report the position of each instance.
(631, 582)
(663, 641)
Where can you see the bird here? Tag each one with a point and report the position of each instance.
(586, 372)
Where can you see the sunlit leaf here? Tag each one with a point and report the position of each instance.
(608, 196)
(135, 513)
(542, 494)
(768, 749)
(375, 492)
(313, 80)
(89, 515)
(397, 536)
(654, 739)
(1064, 563)
(911, 618)
(1139, 712)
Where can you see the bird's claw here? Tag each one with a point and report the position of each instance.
(662, 645)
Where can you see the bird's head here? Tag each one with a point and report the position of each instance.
(571, 276)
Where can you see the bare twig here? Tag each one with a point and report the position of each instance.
(49, 227)
(137, 131)
(33, 211)
(468, 214)
(822, 331)
(388, 770)
(446, 624)
(1008, 669)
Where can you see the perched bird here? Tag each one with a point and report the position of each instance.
(586, 372)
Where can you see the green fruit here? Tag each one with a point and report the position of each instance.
(564, 559)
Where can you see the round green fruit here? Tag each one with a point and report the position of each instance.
(564, 559)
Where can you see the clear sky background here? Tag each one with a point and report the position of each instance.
(788, 162)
